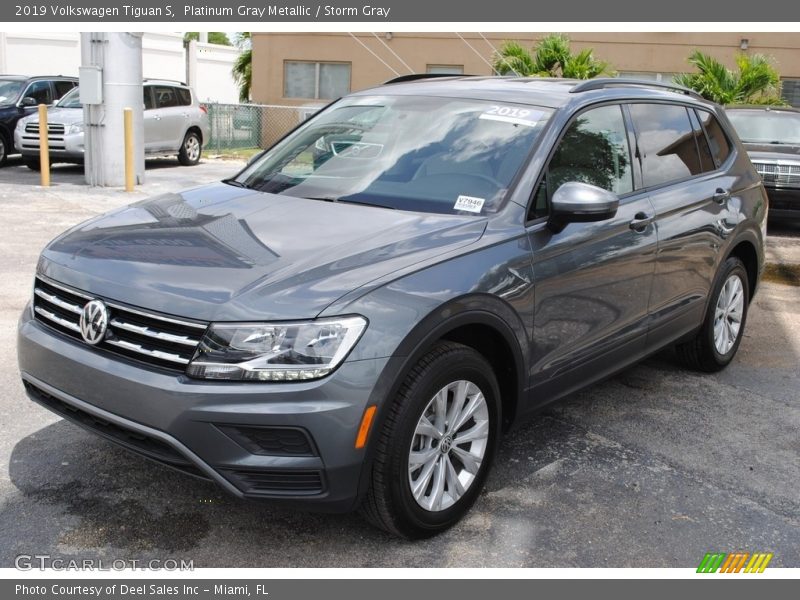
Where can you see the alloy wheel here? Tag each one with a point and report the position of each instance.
(448, 446)
(728, 314)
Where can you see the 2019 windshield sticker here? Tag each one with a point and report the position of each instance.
(512, 114)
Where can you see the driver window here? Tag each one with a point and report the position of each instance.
(594, 150)
(39, 91)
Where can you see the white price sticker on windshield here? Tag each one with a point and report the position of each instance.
(469, 204)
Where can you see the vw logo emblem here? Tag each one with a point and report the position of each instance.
(94, 321)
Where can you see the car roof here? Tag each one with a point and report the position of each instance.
(27, 77)
(550, 92)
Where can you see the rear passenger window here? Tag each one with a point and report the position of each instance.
(594, 150)
(666, 143)
(165, 96)
(184, 96)
(720, 146)
(706, 160)
(62, 87)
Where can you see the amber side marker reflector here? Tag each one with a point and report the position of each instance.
(366, 423)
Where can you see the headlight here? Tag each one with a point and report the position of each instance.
(275, 351)
(75, 128)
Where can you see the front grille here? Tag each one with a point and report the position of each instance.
(141, 335)
(55, 136)
(276, 482)
(52, 128)
(271, 441)
(778, 173)
(140, 443)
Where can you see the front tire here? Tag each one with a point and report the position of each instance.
(715, 345)
(5, 148)
(437, 444)
(191, 149)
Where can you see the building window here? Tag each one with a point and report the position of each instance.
(445, 69)
(649, 75)
(315, 80)
(790, 90)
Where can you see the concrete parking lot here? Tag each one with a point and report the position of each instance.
(654, 467)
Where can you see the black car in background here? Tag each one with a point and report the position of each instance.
(772, 138)
(19, 97)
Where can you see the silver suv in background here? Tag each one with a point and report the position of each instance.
(174, 123)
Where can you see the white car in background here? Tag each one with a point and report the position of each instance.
(174, 123)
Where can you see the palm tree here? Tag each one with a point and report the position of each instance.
(243, 66)
(550, 57)
(214, 37)
(755, 81)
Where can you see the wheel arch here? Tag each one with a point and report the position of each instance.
(481, 321)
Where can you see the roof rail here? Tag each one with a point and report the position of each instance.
(605, 82)
(156, 79)
(418, 76)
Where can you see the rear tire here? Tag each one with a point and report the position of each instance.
(5, 148)
(715, 345)
(191, 149)
(432, 459)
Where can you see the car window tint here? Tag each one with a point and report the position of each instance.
(62, 87)
(720, 146)
(148, 98)
(666, 143)
(39, 91)
(593, 150)
(184, 96)
(165, 96)
(706, 159)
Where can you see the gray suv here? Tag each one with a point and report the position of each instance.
(355, 319)
(175, 123)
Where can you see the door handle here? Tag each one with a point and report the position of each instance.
(641, 221)
(721, 196)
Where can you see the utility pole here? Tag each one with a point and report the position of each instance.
(110, 81)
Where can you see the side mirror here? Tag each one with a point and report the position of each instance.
(28, 101)
(576, 202)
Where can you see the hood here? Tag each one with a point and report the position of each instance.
(225, 253)
(67, 116)
(773, 152)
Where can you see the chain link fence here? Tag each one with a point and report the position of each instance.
(244, 126)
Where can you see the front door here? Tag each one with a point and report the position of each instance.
(593, 280)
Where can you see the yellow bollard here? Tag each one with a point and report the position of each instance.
(128, 126)
(44, 146)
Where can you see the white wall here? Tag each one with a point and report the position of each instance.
(163, 56)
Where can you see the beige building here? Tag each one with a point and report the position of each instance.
(311, 68)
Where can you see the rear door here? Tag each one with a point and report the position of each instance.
(592, 280)
(154, 138)
(172, 116)
(690, 196)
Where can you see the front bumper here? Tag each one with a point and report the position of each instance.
(188, 424)
(784, 202)
(62, 147)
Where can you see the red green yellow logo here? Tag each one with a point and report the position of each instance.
(738, 562)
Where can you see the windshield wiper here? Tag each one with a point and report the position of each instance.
(236, 183)
(344, 201)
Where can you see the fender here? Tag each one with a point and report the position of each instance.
(475, 309)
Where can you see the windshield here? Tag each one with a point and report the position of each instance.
(766, 126)
(72, 99)
(438, 155)
(9, 90)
